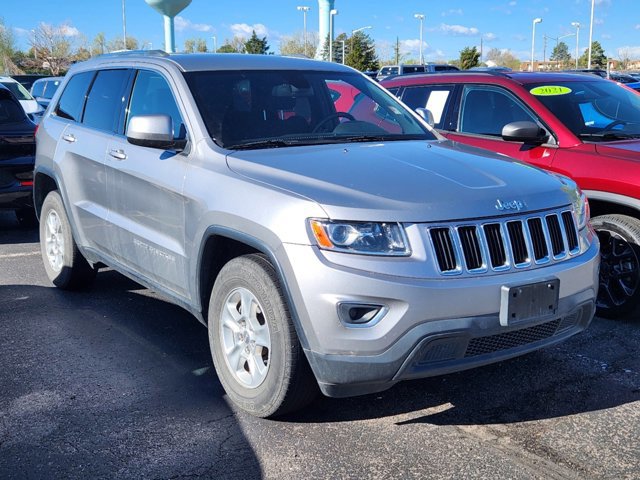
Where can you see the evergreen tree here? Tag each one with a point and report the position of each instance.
(598, 58)
(257, 45)
(561, 54)
(362, 53)
(469, 57)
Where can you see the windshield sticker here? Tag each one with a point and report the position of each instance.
(550, 90)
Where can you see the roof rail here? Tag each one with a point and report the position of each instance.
(145, 53)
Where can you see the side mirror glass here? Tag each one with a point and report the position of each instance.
(527, 132)
(426, 115)
(153, 131)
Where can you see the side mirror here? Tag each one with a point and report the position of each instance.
(426, 115)
(528, 132)
(153, 131)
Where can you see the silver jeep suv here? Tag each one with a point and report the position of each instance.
(321, 230)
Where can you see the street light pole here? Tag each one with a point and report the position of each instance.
(332, 13)
(124, 27)
(420, 17)
(577, 25)
(304, 10)
(215, 44)
(533, 39)
(593, 5)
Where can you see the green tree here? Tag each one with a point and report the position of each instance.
(362, 53)
(227, 48)
(598, 58)
(469, 57)
(561, 55)
(256, 45)
(235, 45)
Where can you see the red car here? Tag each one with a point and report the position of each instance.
(577, 125)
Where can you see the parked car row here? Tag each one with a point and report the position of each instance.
(17, 150)
(582, 126)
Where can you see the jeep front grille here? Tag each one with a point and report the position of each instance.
(503, 244)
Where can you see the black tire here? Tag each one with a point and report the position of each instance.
(619, 290)
(288, 384)
(71, 271)
(27, 217)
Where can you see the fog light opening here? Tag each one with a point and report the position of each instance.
(358, 314)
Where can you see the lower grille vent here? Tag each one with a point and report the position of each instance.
(505, 341)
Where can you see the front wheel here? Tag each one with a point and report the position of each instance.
(65, 265)
(255, 349)
(619, 290)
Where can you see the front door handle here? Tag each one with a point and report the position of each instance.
(118, 154)
(69, 137)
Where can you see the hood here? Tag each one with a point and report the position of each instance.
(406, 181)
(627, 149)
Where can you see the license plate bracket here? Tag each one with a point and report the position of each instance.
(520, 303)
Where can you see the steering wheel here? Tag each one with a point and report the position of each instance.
(333, 116)
(613, 124)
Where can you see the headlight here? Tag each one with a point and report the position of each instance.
(371, 238)
(578, 199)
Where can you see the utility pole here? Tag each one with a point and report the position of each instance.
(397, 51)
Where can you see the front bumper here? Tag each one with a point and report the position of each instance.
(432, 326)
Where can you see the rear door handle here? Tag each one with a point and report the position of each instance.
(69, 137)
(118, 154)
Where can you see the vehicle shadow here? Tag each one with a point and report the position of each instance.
(11, 232)
(111, 382)
(595, 370)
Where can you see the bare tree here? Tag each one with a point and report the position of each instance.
(52, 47)
(189, 46)
(201, 45)
(99, 45)
(624, 55)
(295, 44)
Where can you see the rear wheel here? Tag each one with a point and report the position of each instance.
(255, 349)
(63, 262)
(619, 290)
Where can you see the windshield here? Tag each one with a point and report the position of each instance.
(18, 90)
(265, 109)
(592, 110)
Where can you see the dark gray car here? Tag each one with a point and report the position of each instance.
(324, 233)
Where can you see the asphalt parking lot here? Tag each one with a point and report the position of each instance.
(117, 383)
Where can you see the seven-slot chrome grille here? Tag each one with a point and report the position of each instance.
(502, 244)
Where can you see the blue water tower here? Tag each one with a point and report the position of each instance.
(169, 9)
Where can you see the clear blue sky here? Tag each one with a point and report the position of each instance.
(449, 25)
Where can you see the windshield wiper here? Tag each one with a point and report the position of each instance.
(270, 143)
(610, 135)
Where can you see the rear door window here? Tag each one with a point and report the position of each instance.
(72, 100)
(106, 100)
(434, 98)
